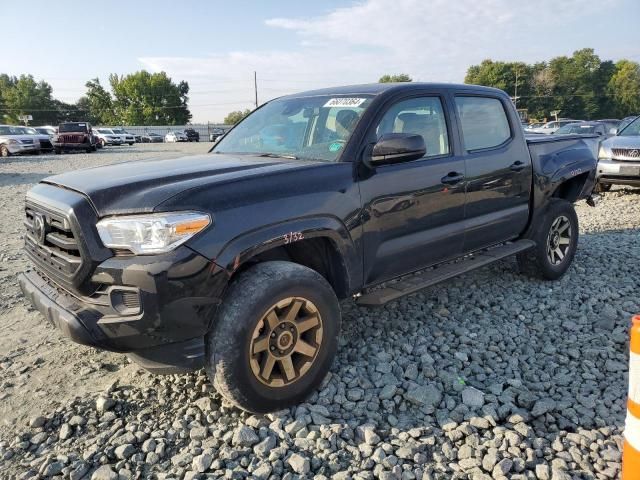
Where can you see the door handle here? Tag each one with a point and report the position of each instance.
(517, 166)
(452, 178)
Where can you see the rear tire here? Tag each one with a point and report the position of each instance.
(556, 236)
(602, 187)
(275, 336)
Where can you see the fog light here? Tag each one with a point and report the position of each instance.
(125, 302)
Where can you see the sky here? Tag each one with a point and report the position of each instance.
(297, 45)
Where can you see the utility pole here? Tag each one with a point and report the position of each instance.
(255, 86)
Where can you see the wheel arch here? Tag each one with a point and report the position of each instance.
(320, 243)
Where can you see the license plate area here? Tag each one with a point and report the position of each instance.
(629, 170)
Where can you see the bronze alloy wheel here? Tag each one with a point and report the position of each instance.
(285, 342)
(558, 240)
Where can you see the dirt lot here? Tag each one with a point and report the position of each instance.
(492, 375)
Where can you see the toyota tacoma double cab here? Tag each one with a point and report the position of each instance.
(236, 260)
(74, 136)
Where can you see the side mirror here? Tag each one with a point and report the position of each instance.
(613, 131)
(397, 147)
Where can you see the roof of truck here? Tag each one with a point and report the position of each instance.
(378, 88)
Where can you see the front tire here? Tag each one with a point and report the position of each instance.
(4, 151)
(556, 236)
(602, 187)
(275, 337)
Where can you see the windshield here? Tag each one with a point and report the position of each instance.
(72, 127)
(30, 131)
(11, 130)
(309, 128)
(566, 129)
(632, 129)
(118, 130)
(105, 131)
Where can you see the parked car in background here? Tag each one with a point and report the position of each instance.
(176, 136)
(124, 135)
(46, 144)
(619, 158)
(13, 141)
(624, 122)
(47, 130)
(531, 126)
(216, 133)
(551, 127)
(106, 136)
(74, 136)
(599, 128)
(192, 135)
(152, 138)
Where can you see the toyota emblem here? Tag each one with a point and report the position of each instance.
(40, 227)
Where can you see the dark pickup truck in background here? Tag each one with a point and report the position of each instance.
(235, 260)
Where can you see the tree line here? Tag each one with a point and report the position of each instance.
(140, 98)
(581, 86)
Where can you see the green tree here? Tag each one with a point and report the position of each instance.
(25, 96)
(144, 98)
(624, 87)
(98, 103)
(234, 117)
(578, 86)
(401, 77)
(6, 83)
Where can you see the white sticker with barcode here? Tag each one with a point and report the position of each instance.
(345, 102)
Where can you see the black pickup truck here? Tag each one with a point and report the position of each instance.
(235, 260)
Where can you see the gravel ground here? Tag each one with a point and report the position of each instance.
(492, 375)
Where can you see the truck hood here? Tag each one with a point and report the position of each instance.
(138, 187)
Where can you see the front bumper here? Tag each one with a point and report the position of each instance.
(178, 294)
(22, 148)
(618, 172)
(72, 146)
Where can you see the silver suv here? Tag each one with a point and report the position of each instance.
(619, 158)
(14, 140)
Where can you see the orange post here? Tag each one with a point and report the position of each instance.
(631, 448)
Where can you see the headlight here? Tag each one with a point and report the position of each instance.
(149, 234)
(604, 152)
(13, 142)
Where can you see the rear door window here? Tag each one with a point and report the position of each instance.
(484, 122)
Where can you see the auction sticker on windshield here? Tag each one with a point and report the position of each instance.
(345, 102)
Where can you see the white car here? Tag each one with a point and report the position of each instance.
(550, 127)
(106, 136)
(176, 136)
(13, 140)
(126, 136)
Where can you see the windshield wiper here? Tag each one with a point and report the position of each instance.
(278, 155)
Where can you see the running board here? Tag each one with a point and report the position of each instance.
(440, 273)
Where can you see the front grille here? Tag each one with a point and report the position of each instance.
(27, 141)
(46, 144)
(72, 138)
(54, 247)
(626, 153)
